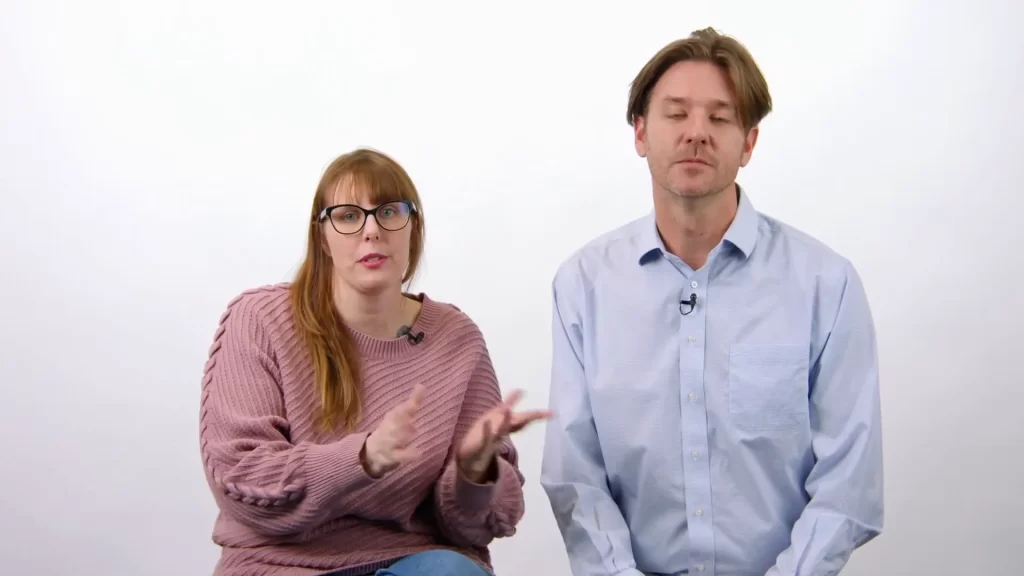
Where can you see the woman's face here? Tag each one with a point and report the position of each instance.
(369, 253)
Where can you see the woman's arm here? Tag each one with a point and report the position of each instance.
(473, 514)
(258, 477)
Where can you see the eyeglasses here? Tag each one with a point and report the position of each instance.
(350, 218)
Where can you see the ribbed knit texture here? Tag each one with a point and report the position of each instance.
(295, 500)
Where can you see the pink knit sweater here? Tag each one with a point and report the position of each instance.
(296, 501)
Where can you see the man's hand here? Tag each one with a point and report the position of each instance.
(388, 446)
(476, 453)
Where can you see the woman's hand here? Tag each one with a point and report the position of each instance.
(480, 445)
(388, 447)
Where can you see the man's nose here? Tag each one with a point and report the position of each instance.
(696, 132)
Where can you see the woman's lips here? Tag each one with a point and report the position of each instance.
(373, 261)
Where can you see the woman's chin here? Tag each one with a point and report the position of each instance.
(373, 284)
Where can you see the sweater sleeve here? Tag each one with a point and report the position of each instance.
(258, 477)
(474, 514)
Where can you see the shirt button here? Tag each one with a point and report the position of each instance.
(692, 338)
(700, 512)
(693, 284)
(693, 397)
(700, 567)
(694, 454)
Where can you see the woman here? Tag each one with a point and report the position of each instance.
(350, 428)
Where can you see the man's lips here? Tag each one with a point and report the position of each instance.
(695, 162)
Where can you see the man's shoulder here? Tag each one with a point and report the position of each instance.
(607, 251)
(804, 252)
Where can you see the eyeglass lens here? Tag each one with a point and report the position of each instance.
(392, 216)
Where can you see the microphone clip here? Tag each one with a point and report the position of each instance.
(692, 303)
(407, 332)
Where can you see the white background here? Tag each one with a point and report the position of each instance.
(157, 159)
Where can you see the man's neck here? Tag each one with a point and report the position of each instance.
(692, 227)
(377, 315)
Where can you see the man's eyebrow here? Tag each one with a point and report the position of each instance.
(713, 104)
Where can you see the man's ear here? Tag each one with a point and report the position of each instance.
(748, 145)
(640, 135)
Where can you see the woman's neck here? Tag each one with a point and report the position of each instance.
(377, 315)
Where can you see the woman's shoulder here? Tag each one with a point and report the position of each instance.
(261, 307)
(449, 319)
(262, 300)
(261, 296)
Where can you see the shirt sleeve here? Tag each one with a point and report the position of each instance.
(845, 510)
(573, 475)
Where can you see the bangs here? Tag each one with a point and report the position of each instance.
(368, 182)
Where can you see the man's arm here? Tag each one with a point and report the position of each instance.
(573, 475)
(845, 485)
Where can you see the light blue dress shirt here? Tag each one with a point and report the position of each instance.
(742, 438)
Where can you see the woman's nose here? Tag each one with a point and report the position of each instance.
(370, 228)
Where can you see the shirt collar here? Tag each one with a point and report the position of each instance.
(742, 233)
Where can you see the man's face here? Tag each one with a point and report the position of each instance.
(691, 135)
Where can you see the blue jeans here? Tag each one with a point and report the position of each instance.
(434, 563)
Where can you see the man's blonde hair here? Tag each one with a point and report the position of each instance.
(753, 100)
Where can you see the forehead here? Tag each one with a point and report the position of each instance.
(695, 82)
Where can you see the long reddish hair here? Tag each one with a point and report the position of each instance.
(332, 349)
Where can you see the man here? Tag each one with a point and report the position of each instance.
(714, 381)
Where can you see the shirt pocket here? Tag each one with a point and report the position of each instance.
(768, 386)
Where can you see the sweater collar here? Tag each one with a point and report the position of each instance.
(426, 324)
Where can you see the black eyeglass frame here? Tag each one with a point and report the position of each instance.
(326, 213)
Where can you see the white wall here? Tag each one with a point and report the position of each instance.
(156, 159)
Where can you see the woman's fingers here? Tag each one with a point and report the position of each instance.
(403, 455)
(404, 437)
(412, 404)
(513, 398)
(504, 421)
(488, 432)
(520, 420)
(516, 421)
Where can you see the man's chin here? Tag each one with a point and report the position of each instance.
(691, 191)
